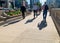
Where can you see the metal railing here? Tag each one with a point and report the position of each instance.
(55, 14)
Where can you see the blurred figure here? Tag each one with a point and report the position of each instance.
(23, 10)
(45, 10)
(39, 10)
(35, 9)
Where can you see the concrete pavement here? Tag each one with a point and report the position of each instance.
(27, 31)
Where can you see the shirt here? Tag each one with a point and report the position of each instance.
(35, 7)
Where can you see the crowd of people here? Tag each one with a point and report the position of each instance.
(36, 9)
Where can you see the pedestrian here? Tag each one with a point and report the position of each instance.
(35, 9)
(23, 10)
(45, 10)
(39, 9)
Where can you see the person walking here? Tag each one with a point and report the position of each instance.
(35, 8)
(45, 10)
(23, 10)
(39, 9)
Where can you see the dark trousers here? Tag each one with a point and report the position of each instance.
(23, 15)
(35, 13)
(44, 14)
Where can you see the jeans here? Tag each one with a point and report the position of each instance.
(35, 13)
(44, 14)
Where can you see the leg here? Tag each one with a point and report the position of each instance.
(43, 14)
(34, 13)
(23, 15)
(39, 11)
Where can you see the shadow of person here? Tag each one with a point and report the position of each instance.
(28, 21)
(42, 25)
(9, 23)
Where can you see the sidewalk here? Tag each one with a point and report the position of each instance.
(27, 31)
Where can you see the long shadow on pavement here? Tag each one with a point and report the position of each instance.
(29, 21)
(9, 23)
(42, 25)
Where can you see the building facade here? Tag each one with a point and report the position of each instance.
(10, 3)
(13, 3)
(58, 3)
(32, 2)
(7, 3)
(3, 3)
(36, 1)
(53, 3)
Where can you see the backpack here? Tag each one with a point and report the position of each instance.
(46, 7)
